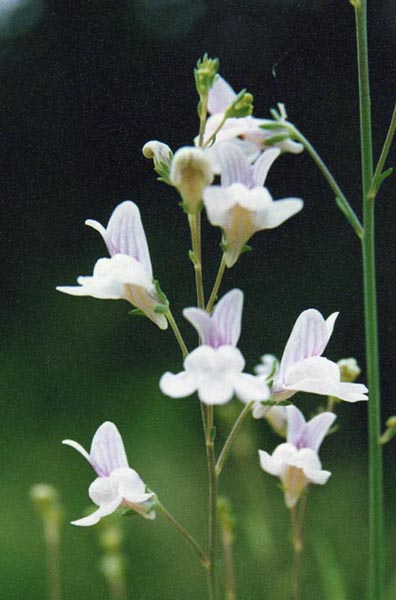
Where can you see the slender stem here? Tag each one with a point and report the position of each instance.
(340, 196)
(370, 312)
(184, 533)
(231, 437)
(227, 543)
(177, 333)
(216, 285)
(376, 182)
(212, 501)
(52, 543)
(195, 226)
(202, 119)
(297, 515)
(216, 131)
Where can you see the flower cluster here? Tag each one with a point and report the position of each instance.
(239, 150)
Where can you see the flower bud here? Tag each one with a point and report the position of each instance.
(190, 173)
(349, 369)
(161, 155)
(241, 107)
(205, 74)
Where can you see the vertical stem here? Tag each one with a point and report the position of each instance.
(207, 413)
(370, 312)
(297, 515)
(52, 543)
(227, 541)
(212, 501)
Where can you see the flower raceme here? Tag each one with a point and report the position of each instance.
(117, 484)
(241, 206)
(296, 462)
(214, 369)
(304, 369)
(128, 274)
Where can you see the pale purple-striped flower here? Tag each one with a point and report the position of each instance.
(214, 369)
(241, 206)
(303, 369)
(117, 484)
(246, 131)
(128, 274)
(296, 462)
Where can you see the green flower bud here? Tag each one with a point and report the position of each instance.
(241, 107)
(205, 74)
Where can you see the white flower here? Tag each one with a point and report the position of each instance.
(246, 131)
(128, 274)
(117, 484)
(296, 462)
(303, 369)
(276, 416)
(223, 327)
(216, 374)
(241, 206)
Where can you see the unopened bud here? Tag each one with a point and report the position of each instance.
(112, 567)
(349, 369)
(241, 107)
(161, 155)
(205, 74)
(190, 173)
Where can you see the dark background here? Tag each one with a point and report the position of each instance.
(84, 86)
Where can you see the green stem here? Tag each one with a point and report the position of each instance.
(177, 333)
(297, 516)
(232, 435)
(195, 227)
(370, 312)
(377, 179)
(202, 119)
(216, 131)
(52, 542)
(184, 533)
(212, 501)
(341, 199)
(216, 285)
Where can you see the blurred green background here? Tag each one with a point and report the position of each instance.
(84, 86)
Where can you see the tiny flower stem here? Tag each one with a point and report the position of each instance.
(231, 437)
(297, 515)
(376, 519)
(184, 533)
(216, 286)
(202, 119)
(52, 542)
(377, 179)
(342, 201)
(195, 227)
(216, 131)
(177, 333)
(210, 452)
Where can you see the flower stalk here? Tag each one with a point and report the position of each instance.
(376, 524)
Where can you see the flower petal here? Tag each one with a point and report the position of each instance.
(234, 166)
(308, 338)
(220, 96)
(203, 325)
(79, 449)
(316, 430)
(125, 234)
(263, 165)
(295, 425)
(227, 317)
(278, 212)
(249, 388)
(178, 386)
(107, 450)
(95, 517)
